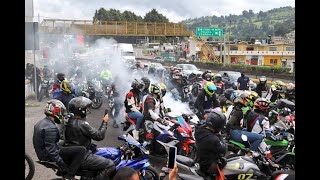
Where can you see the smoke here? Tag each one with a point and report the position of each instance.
(175, 106)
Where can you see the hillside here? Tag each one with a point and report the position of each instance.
(275, 22)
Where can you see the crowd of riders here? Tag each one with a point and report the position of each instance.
(248, 115)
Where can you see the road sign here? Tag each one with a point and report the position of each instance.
(207, 31)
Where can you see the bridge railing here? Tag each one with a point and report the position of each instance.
(121, 28)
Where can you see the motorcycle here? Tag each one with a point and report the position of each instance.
(130, 154)
(29, 171)
(44, 89)
(178, 133)
(110, 99)
(257, 166)
(95, 95)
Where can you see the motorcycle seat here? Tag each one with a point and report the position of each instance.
(133, 121)
(185, 160)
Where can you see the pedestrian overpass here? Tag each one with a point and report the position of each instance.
(125, 28)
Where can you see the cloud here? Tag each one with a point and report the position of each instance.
(175, 10)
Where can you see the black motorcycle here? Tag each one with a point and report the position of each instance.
(95, 95)
(109, 94)
(29, 167)
(44, 89)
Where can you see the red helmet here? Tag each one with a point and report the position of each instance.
(262, 104)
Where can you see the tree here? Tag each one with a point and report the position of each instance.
(251, 14)
(245, 14)
(281, 29)
(154, 16)
(130, 16)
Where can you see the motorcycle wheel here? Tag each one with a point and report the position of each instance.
(28, 162)
(96, 103)
(41, 94)
(150, 173)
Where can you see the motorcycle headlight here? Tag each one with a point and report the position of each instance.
(185, 135)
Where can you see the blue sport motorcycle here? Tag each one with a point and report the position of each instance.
(131, 154)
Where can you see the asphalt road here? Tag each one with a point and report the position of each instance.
(34, 114)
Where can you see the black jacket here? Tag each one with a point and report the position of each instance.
(234, 120)
(261, 87)
(209, 147)
(79, 132)
(45, 138)
(205, 102)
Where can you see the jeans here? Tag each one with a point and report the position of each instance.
(73, 156)
(117, 107)
(138, 116)
(253, 138)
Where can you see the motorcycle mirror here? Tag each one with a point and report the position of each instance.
(244, 137)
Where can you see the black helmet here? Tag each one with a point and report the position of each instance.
(285, 111)
(227, 93)
(208, 77)
(137, 84)
(79, 105)
(60, 76)
(216, 120)
(146, 82)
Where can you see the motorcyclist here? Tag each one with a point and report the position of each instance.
(118, 103)
(219, 84)
(275, 90)
(204, 74)
(46, 136)
(66, 93)
(207, 78)
(153, 106)
(47, 73)
(132, 105)
(176, 84)
(262, 86)
(106, 76)
(145, 91)
(206, 100)
(210, 146)
(290, 92)
(56, 85)
(78, 132)
(256, 120)
(234, 128)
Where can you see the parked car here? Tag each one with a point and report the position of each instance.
(158, 58)
(171, 59)
(230, 79)
(189, 68)
(183, 60)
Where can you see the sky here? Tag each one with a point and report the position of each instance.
(175, 10)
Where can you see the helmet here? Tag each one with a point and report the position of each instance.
(251, 97)
(290, 86)
(146, 82)
(285, 111)
(218, 77)
(163, 89)
(263, 79)
(209, 88)
(56, 109)
(227, 93)
(137, 84)
(240, 97)
(176, 74)
(216, 120)
(79, 105)
(278, 84)
(262, 104)
(66, 86)
(208, 77)
(60, 76)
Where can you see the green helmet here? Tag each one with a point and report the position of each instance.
(209, 88)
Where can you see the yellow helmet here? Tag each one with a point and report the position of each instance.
(66, 86)
(278, 84)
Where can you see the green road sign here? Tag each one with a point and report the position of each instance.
(206, 31)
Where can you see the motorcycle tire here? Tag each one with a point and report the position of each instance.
(31, 167)
(41, 94)
(150, 173)
(97, 103)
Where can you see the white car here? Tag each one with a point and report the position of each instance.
(189, 68)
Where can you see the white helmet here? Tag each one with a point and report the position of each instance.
(262, 79)
(290, 86)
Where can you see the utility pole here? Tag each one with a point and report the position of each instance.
(224, 49)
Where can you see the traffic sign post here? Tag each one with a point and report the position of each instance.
(207, 31)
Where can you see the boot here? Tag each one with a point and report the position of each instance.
(135, 134)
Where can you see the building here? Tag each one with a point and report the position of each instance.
(260, 54)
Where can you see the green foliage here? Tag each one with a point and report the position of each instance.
(277, 21)
(154, 16)
(102, 15)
